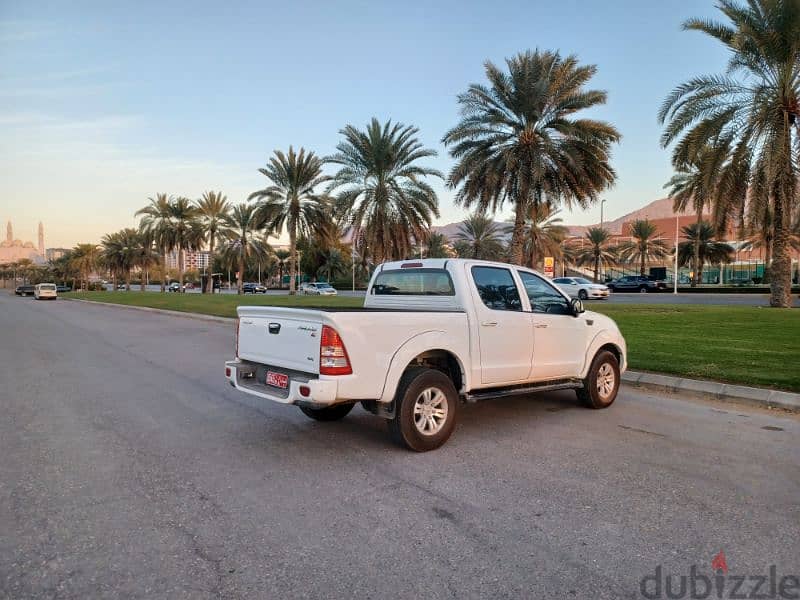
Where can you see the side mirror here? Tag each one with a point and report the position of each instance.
(577, 306)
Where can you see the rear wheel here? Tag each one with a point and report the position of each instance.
(329, 413)
(643, 289)
(602, 382)
(425, 409)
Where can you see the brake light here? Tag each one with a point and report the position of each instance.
(411, 265)
(333, 359)
(237, 338)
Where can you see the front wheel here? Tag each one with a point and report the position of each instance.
(425, 409)
(643, 289)
(583, 295)
(602, 382)
(329, 413)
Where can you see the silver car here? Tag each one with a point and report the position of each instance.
(319, 289)
(580, 287)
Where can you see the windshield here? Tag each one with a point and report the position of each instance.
(324, 286)
(582, 280)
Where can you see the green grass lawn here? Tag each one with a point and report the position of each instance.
(738, 344)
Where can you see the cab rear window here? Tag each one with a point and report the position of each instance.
(413, 282)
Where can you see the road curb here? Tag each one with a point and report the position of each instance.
(713, 389)
(163, 311)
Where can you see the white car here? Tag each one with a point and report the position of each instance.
(580, 287)
(318, 289)
(431, 334)
(45, 291)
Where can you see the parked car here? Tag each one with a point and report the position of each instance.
(60, 289)
(24, 290)
(254, 288)
(45, 291)
(319, 289)
(174, 287)
(636, 283)
(580, 287)
(431, 334)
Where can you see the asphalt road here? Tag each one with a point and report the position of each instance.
(130, 469)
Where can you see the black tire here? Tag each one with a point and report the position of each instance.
(643, 289)
(583, 295)
(605, 364)
(329, 413)
(404, 428)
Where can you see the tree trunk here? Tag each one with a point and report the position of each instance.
(164, 271)
(210, 279)
(515, 248)
(128, 280)
(180, 268)
(642, 265)
(696, 258)
(240, 279)
(113, 281)
(292, 260)
(596, 265)
(144, 279)
(781, 266)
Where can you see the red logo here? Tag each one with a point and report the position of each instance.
(718, 563)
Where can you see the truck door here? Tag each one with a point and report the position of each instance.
(505, 332)
(559, 338)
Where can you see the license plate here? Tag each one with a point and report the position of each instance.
(278, 380)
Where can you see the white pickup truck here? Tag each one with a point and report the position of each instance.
(431, 333)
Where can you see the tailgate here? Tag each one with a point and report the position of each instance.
(287, 338)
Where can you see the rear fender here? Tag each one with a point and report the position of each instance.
(413, 347)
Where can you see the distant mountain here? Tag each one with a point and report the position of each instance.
(658, 209)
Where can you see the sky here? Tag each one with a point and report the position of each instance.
(105, 104)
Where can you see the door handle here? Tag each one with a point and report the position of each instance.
(540, 325)
(489, 323)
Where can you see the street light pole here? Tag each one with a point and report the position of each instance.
(602, 202)
(675, 283)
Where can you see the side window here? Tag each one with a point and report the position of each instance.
(544, 297)
(496, 288)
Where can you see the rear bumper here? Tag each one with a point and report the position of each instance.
(245, 378)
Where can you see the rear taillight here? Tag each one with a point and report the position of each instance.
(237, 338)
(333, 359)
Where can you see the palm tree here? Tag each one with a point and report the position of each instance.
(695, 184)
(283, 257)
(482, 236)
(435, 246)
(85, 259)
(517, 140)
(333, 264)
(145, 258)
(752, 111)
(212, 209)
(156, 225)
(120, 250)
(187, 232)
(644, 247)
(701, 236)
(382, 193)
(543, 234)
(598, 253)
(291, 199)
(240, 241)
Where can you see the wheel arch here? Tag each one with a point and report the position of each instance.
(426, 349)
(605, 341)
